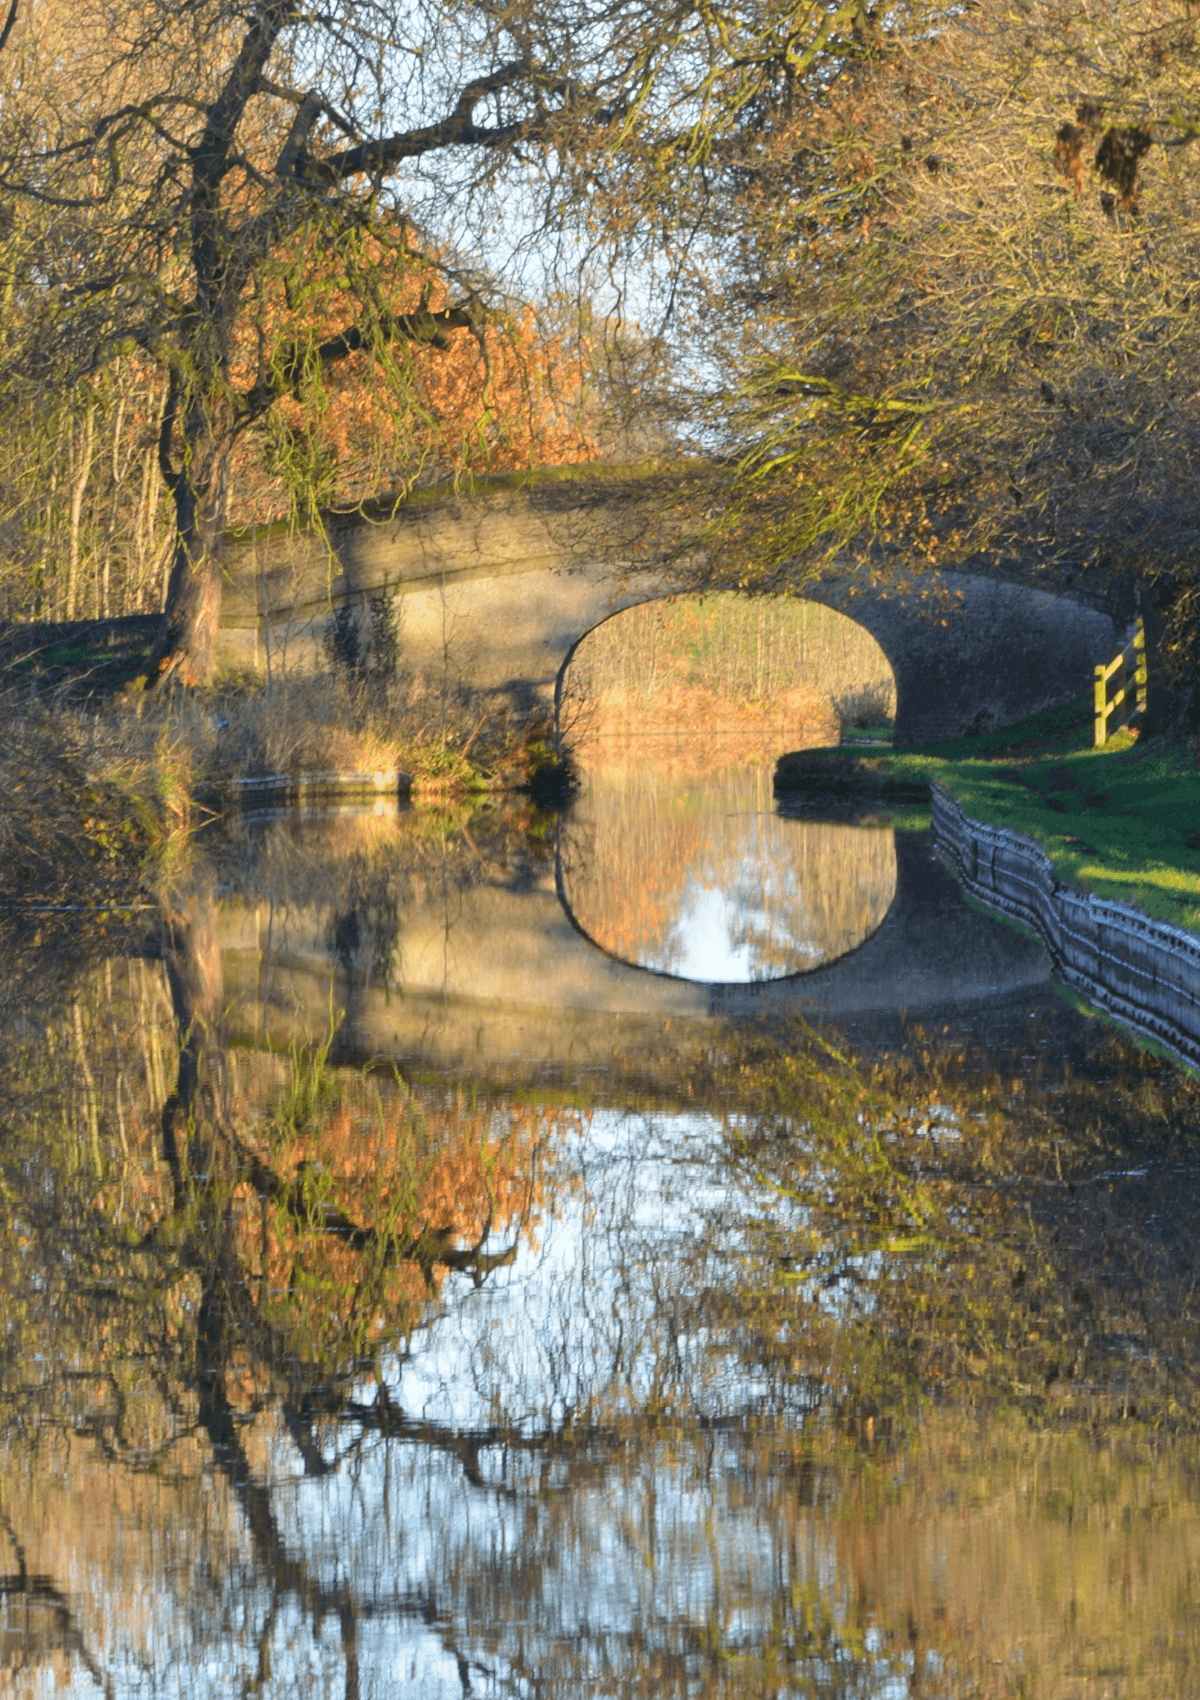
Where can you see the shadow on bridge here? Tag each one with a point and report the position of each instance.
(496, 590)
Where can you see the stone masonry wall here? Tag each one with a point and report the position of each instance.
(494, 589)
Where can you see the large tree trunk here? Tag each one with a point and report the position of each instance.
(186, 650)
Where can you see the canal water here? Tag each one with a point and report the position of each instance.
(664, 1249)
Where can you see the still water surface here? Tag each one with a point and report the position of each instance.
(735, 1362)
(696, 874)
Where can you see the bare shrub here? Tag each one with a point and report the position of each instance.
(343, 722)
(90, 798)
(867, 705)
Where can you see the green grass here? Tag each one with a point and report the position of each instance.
(1123, 822)
(880, 734)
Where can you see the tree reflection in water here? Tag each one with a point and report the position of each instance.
(182, 1281)
(815, 1376)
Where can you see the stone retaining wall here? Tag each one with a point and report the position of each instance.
(1144, 972)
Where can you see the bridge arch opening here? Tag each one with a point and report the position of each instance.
(725, 666)
(673, 857)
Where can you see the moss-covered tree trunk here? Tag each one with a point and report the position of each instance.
(186, 652)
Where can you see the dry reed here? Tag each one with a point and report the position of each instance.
(728, 661)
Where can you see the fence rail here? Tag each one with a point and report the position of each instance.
(1130, 668)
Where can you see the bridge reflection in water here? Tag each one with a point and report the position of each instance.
(784, 1375)
(819, 918)
(700, 877)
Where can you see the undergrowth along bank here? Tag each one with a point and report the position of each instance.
(104, 794)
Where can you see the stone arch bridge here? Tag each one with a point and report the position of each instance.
(497, 588)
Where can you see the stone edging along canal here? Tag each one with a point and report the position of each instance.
(271, 791)
(1144, 972)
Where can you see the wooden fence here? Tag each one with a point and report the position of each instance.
(1143, 971)
(1129, 668)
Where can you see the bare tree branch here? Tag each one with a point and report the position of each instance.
(457, 129)
(9, 22)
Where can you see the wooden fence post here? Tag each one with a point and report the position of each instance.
(1134, 687)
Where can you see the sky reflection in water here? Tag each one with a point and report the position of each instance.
(699, 877)
(581, 1322)
(592, 1471)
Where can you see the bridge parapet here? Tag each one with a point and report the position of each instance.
(496, 587)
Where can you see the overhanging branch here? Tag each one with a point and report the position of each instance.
(424, 326)
(457, 129)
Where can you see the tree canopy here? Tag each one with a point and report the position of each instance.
(245, 196)
(963, 299)
(927, 272)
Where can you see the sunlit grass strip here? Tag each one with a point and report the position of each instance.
(1122, 821)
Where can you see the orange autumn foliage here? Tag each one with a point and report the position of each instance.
(377, 1192)
(382, 420)
(333, 1203)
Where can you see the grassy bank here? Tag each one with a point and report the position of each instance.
(1123, 821)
